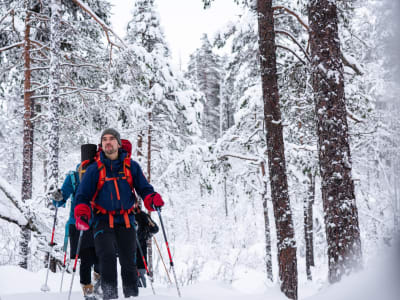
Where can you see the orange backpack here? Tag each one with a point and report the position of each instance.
(126, 145)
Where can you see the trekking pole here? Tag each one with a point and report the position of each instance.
(65, 253)
(45, 287)
(144, 262)
(162, 259)
(76, 260)
(169, 252)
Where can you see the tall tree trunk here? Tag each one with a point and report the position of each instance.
(54, 87)
(341, 216)
(27, 152)
(149, 242)
(267, 231)
(276, 155)
(308, 225)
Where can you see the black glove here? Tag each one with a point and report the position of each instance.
(57, 195)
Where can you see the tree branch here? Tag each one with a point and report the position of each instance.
(351, 65)
(10, 12)
(105, 28)
(296, 15)
(21, 44)
(7, 219)
(291, 51)
(295, 41)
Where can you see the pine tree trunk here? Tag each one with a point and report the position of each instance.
(27, 151)
(276, 155)
(308, 226)
(54, 88)
(341, 216)
(267, 231)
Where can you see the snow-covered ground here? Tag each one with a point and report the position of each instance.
(380, 280)
(19, 284)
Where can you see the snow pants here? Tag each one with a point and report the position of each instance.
(108, 243)
(87, 253)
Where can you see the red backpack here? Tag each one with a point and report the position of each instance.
(127, 146)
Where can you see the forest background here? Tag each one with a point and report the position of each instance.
(199, 132)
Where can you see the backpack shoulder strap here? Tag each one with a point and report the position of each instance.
(127, 170)
(73, 181)
(102, 178)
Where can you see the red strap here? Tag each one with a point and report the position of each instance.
(111, 219)
(127, 171)
(126, 219)
(102, 177)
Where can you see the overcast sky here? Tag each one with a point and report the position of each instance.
(183, 21)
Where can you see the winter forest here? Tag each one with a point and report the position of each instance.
(277, 160)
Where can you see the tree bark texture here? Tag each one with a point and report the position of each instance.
(276, 155)
(267, 229)
(149, 242)
(341, 216)
(54, 88)
(308, 226)
(27, 152)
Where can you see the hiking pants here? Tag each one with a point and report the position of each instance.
(108, 243)
(87, 253)
(88, 259)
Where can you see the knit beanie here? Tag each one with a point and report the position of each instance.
(113, 132)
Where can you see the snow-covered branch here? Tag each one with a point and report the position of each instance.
(103, 25)
(239, 156)
(80, 65)
(351, 63)
(291, 51)
(8, 13)
(20, 44)
(284, 32)
(296, 15)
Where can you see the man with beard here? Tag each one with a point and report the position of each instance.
(108, 187)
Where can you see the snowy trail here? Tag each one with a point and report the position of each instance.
(20, 284)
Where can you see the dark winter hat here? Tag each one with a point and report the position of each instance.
(113, 132)
(88, 151)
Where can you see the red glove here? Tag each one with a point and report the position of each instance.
(82, 216)
(152, 201)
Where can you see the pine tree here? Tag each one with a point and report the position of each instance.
(341, 216)
(204, 70)
(276, 155)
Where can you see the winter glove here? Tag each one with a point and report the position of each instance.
(153, 201)
(57, 197)
(82, 217)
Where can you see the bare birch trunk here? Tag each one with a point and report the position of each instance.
(149, 242)
(54, 98)
(341, 215)
(276, 154)
(308, 226)
(267, 230)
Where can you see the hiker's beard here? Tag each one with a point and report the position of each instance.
(109, 150)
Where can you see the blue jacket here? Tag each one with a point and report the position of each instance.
(68, 190)
(107, 197)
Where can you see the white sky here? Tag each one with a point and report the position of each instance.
(183, 22)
